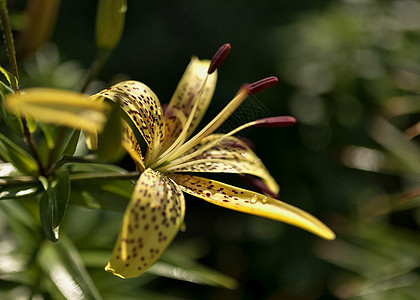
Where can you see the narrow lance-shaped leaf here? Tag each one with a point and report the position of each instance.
(12, 153)
(61, 188)
(63, 264)
(250, 202)
(10, 78)
(53, 202)
(11, 120)
(46, 211)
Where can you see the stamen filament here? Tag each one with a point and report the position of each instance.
(183, 135)
(188, 157)
(210, 128)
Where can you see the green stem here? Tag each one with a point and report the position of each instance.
(96, 67)
(21, 181)
(8, 38)
(74, 159)
(11, 53)
(105, 176)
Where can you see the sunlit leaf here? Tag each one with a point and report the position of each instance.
(63, 264)
(15, 192)
(178, 266)
(10, 78)
(389, 137)
(12, 153)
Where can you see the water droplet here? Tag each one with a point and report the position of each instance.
(264, 200)
(254, 199)
(208, 164)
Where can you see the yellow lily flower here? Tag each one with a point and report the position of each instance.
(156, 209)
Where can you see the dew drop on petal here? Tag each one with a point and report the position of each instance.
(254, 199)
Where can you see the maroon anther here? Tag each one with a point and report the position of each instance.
(262, 84)
(280, 121)
(218, 58)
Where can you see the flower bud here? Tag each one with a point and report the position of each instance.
(110, 16)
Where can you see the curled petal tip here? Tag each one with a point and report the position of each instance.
(218, 58)
(263, 84)
(279, 121)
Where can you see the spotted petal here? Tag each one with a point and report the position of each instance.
(249, 202)
(152, 219)
(185, 96)
(143, 108)
(228, 155)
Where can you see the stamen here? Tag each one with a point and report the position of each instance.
(279, 121)
(208, 129)
(218, 58)
(200, 136)
(262, 84)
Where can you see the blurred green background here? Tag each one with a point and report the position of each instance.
(349, 72)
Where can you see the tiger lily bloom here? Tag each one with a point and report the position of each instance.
(173, 156)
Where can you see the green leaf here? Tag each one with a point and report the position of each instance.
(71, 144)
(109, 143)
(53, 202)
(12, 153)
(61, 186)
(48, 134)
(11, 120)
(16, 192)
(46, 213)
(177, 266)
(10, 78)
(63, 264)
(89, 189)
(101, 193)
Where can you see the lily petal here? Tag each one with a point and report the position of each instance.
(152, 219)
(185, 96)
(228, 155)
(249, 202)
(59, 107)
(144, 109)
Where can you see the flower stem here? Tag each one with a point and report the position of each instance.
(8, 38)
(11, 53)
(96, 67)
(105, 176)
